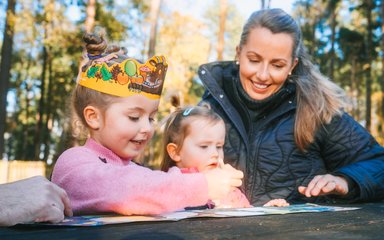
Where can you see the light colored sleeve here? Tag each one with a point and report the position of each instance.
(96, 187)
(235, 199)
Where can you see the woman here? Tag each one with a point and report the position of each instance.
(286, 128)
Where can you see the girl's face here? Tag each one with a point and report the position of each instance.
(203, 146)
(265, 62)
(127, 125)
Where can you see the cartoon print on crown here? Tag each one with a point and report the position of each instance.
(156, 77)
(120, 76)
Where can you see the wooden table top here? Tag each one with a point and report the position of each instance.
(365, 223)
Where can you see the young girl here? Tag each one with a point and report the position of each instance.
(117, 98)
(193, 141)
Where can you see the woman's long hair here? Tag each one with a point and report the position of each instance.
(318, 98)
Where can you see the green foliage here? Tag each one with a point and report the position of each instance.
(233, 27)
(106, 19)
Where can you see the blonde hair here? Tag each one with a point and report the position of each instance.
(95, 44)
(83, 97)
(318, 98)
(177, 128)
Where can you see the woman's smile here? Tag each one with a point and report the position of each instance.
(260, 86)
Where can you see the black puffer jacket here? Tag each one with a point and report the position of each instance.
(273, 165)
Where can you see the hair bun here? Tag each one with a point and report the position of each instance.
(95, 43)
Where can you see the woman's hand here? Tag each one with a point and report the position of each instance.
(324, 185)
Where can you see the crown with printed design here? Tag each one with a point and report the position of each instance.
(117, 75)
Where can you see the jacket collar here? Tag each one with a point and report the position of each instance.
(212, 76)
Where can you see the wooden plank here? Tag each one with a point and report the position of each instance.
(14, 170)
(365, 223)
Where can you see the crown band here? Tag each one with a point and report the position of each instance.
(124, 77)
(92, 57)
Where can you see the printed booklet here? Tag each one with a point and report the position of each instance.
(97, 220)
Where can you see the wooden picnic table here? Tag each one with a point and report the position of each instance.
(364, 223)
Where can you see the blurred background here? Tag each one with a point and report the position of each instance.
(41, 50)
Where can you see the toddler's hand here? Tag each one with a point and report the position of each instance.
(222, 180)
(279, 202)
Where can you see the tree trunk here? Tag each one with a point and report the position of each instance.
(332, 51)
(91, 13)
(354, 89)
(223, 18)
(155, 10)
(381, 131)
(368, 69)
(27, 129)
(5, 68)
(44, 102)
(312, 40)
(40, 115)
(49, 119)
(269, 4)
(262, 4)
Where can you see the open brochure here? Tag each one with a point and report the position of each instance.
(98, 220)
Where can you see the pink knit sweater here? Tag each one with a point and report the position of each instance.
(98, 181)
(235, 198)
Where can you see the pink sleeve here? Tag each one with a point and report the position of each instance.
(95, 187)
(235, 199)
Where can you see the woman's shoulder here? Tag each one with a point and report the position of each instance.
(344, 128)
(215, 70)
(344, 121)
(213, 75)
(215, 64)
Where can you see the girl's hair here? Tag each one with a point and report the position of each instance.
(177, 128)
(95, 45)
(318, 98)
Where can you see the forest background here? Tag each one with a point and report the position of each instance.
(41, 50)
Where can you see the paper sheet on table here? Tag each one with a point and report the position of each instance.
(98, 220)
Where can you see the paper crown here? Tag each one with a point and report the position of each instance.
(118, 75)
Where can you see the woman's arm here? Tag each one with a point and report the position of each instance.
(355, 163)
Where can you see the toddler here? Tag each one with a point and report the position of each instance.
(193, 141)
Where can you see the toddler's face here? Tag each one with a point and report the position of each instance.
(127, 125)
(203, 146)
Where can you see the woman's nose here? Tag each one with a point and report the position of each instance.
(262, 72)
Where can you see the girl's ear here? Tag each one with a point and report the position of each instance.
(172, 152)
(92, 116)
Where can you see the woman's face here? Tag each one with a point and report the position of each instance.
(265, 62)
